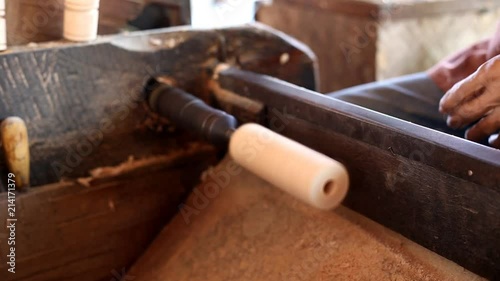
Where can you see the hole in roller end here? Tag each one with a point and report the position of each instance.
(149, 87)
(328, 187)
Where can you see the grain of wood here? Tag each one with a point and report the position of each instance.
(87, 97)
(67, 231)
(331, 37)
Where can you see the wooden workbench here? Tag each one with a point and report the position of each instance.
(106, 174)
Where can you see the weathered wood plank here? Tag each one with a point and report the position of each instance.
(66, 231)
(331, 37)
(436, 189)
(400, 8)
(87, 96)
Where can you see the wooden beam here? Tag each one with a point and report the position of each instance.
(88, 96)
(394, 10)
(68, 231)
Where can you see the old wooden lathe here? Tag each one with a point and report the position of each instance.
(108, 174)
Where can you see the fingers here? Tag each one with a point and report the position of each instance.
(476, 97)
(494, 141)
(473, 97)
(461, 93)
(479, 104)
(487, 126)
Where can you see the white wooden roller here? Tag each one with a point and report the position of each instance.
(304, 173)
(81, 20)
(3, 27)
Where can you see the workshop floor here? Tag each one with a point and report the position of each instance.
(252, 231)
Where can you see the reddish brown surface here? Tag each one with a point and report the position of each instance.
(67, 231)
(251, 231)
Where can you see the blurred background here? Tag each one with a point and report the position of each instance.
(355, 41)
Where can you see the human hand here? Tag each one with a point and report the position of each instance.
(458, 66)
(476, 98)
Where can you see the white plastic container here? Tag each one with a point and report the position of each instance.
(81, 20)
(221, 13)
(3, 27)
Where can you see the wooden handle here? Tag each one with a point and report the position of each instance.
(16, 148)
